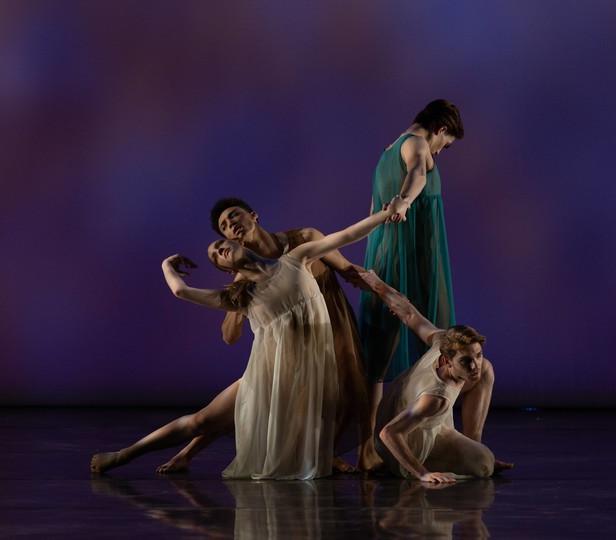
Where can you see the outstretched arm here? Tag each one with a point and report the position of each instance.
(402, 308)
(394, 436)
(205, 297)
(319, 248)
(336, 260)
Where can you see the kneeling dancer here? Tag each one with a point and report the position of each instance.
(414, 427)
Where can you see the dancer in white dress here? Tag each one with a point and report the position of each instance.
(285, 407)
(416, 433)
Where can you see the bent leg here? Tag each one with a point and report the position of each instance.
(369, 459)
(476, 403)
(380, 347)
(476, 399)
(217, 419)
(172, 434)
(456, 453)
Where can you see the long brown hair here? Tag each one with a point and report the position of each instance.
(238, 293)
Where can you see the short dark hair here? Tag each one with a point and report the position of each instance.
(221, 205)
(441, 113)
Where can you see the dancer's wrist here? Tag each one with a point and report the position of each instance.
(406, 199)
(421, 474)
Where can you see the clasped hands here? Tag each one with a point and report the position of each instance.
(398, 207)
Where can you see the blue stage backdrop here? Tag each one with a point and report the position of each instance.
(124, 121)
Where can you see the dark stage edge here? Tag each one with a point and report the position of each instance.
(563, 486)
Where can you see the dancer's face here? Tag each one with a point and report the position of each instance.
(226, 255)
(467, 363)
(235, 223)
(439, 141)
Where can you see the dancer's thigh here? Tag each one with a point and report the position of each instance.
(219, 413)
(454, 452)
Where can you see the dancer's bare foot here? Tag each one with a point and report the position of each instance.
(341, 466)
(176, 464)
(374, 467)
(370, 461)
(500, 466)
(104, 461)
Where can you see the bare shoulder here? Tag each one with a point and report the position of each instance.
(238, 277)
(487, 369)
(428, 405)
(310, 233)
(414, 148)
(435, 337)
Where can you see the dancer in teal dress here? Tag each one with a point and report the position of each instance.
(410, 253)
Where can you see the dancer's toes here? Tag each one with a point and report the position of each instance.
(500, 466)
(174, 465)
(104, 461)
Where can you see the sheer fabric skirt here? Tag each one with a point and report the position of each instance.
(285, 410)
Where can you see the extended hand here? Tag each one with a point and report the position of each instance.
(353, 274)
(372, 281)
(397, 303)
(178, 261)
(398, 207)
(438, 477)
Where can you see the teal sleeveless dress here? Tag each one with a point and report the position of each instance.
(412, 257)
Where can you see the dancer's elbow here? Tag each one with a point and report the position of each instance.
(230, 339)
(386, 435)
(179, 292)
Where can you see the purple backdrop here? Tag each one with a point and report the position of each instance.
(123, 122)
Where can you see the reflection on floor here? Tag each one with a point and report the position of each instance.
(562, 486)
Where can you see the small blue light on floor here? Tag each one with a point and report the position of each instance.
(529, 409)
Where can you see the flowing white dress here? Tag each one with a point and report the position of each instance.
(285, 409)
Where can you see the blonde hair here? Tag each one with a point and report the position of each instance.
(457, 337)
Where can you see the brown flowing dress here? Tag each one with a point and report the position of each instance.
(352, 403)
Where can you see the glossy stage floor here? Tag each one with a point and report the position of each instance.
(563, 486)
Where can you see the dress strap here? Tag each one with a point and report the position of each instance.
(282, 239)
(400, 140)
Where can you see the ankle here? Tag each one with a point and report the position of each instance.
(124, 455)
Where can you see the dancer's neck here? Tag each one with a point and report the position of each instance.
(263, 242)
(444, 372)
(256, 267)
(418, 130)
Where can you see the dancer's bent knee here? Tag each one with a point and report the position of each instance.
(483, 465)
